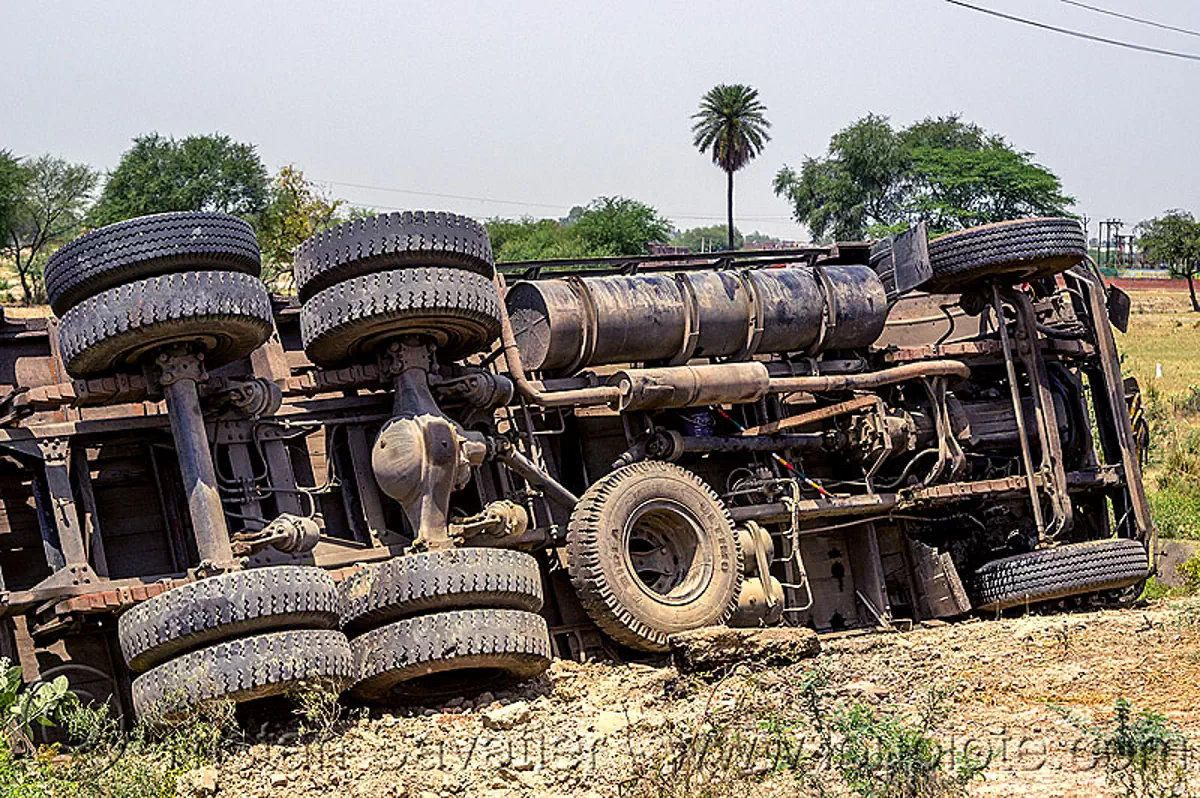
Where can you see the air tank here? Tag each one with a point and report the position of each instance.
(563, 325)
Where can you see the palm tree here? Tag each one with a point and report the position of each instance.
(731, 124)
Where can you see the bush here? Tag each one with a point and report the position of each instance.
(22, 707)
(1189, 569)
(885, 755)
(100, 760)
(1143, 753)
(1187, 403)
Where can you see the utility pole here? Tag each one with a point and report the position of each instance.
(1110, 234)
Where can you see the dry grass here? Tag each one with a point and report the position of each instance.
(1170, 338)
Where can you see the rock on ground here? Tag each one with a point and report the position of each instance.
(720, 647)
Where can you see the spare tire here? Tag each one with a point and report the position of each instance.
(446, 654)
(458, 310)
(243, 670)
(226, 606)
(145, 247)
(1021, 249)
(227, 314)
(471, 578)
(652, 551)
(391, 241)
(1069, 570)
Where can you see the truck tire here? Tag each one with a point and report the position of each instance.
(473, 578)
(145, 247)
(446, 654)
(243, 670)
(227, 606)
(391, 241)
(1021, 249)
(1070, 570)
(228, 314)
(652, 551)
(458, 310)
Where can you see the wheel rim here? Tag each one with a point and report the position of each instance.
(666, 552)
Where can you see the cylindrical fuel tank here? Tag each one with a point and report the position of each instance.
(565, 325)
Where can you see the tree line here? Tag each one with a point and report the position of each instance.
(46, 200)
(874, 179)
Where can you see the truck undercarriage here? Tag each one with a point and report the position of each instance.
(565, 458)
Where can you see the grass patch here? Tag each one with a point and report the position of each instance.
(1144, 754)
(809, 744)
(100, 760)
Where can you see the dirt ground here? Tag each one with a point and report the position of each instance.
(591, 729)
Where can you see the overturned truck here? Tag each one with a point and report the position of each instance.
(426, 476)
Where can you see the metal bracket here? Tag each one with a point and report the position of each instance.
(179, 363)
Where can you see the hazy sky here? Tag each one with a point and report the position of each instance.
(552, 104)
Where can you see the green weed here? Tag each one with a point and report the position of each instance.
(1144, 755)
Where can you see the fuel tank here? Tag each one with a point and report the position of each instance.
(563, 325)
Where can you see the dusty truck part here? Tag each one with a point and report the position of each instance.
(1067, 570)
(227, 606)
(462, 652)
(347, 322)
(652, 551)
(877, 379)
(419, 457)
(760, 603)
(564, 325)
(882, 470)
(691, 386)
(149, 246)
(244, 669)
(179, 372)
(426, 582)
(502, 451)
(391, 241)
(598, 395)
(227, 315)
(1018, 250)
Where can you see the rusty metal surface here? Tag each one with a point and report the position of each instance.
(563, 325)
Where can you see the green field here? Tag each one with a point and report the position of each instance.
(1162, 330)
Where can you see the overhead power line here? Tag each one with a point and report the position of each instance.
(1077, 34)
(1131, 18)
(522, 203)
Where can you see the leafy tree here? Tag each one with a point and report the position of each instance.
(620, 226)
(46, 210)
(197, 173)
(962, 176)
(607, 226)
(761, 238)
(715, 237)
(533, 239)
(12, 187)
(949, 173)
(571, 218)
(297, 210)
(360, 212)
(732, 127)
(857, 185)
(1173, 240)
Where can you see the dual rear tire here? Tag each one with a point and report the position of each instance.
(129, 289)
(236, 637)
(422, 628)
(429, 626)
(414, 273)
